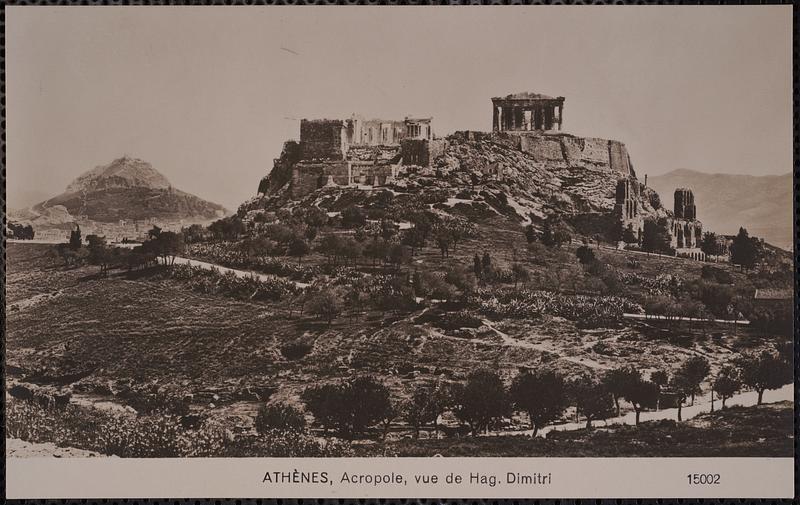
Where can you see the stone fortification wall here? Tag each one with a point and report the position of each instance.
(281, 172)
(323, 139)
(549, 147)
(308, 176)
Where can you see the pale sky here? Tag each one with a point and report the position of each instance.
(209, 94)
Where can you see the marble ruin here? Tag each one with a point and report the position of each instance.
(527, 112)
(627, 209)
(352, 152)
(361, 153)
(687, 231)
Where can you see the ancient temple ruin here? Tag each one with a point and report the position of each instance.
(684, 204)
(686, 230)
(352, 152)
(627, 206)
(527, 112)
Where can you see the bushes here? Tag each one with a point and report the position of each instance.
(131, 436)
(243, 256)
(279, 416)
(213, 282)
(349, 407)
(296, 350)
(716, 274)
(450, 320)
(589, 311)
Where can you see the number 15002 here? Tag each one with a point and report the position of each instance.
(703, 478)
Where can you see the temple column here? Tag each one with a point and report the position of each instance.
(495, 125)
(560, 116)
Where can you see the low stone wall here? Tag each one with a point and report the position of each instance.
(310, 176)
(421, 152)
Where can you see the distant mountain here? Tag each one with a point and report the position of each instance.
(127, 188)
(761, 204)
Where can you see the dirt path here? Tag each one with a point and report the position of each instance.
(16, 448)
(510, 341)
(701, 406)
(34, 300)
(648, 317)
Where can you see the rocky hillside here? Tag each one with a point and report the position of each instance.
(479, 174)
(762, 204)
(126, 188)
(123, 172)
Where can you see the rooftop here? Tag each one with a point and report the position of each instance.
(525, 95)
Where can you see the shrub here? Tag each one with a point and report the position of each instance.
(451, 320)
(279, 416)
(296, 350)
(585, 255)
(716, 274)
(349, 407)
(158, 436)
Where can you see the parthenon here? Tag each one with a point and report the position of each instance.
(527, 112)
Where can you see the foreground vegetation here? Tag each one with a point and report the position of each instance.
(763, 431)
(376, 322)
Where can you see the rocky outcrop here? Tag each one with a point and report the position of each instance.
(125, 172)
(524, 175)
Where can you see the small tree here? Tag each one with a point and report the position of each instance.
(696, 370)
(641, 394)
(477, 266)
(591, 398)
(520, 273)
(683, 386)
(555, 232)
(744, 250)
(482, 401)
(660, 379)
(542, 395)
(443, 240)
(75, 241)
(656, 236)
(618, 381)
(530, 233)
(368, 403)
(326, 305)
(585, 255)
(710, 244)
(629, 236)
(298, 248)
(761, 372)
(349, 407)
(353, 217)
(727, 383)
(420, 408)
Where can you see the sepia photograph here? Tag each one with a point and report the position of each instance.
(324, 232)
